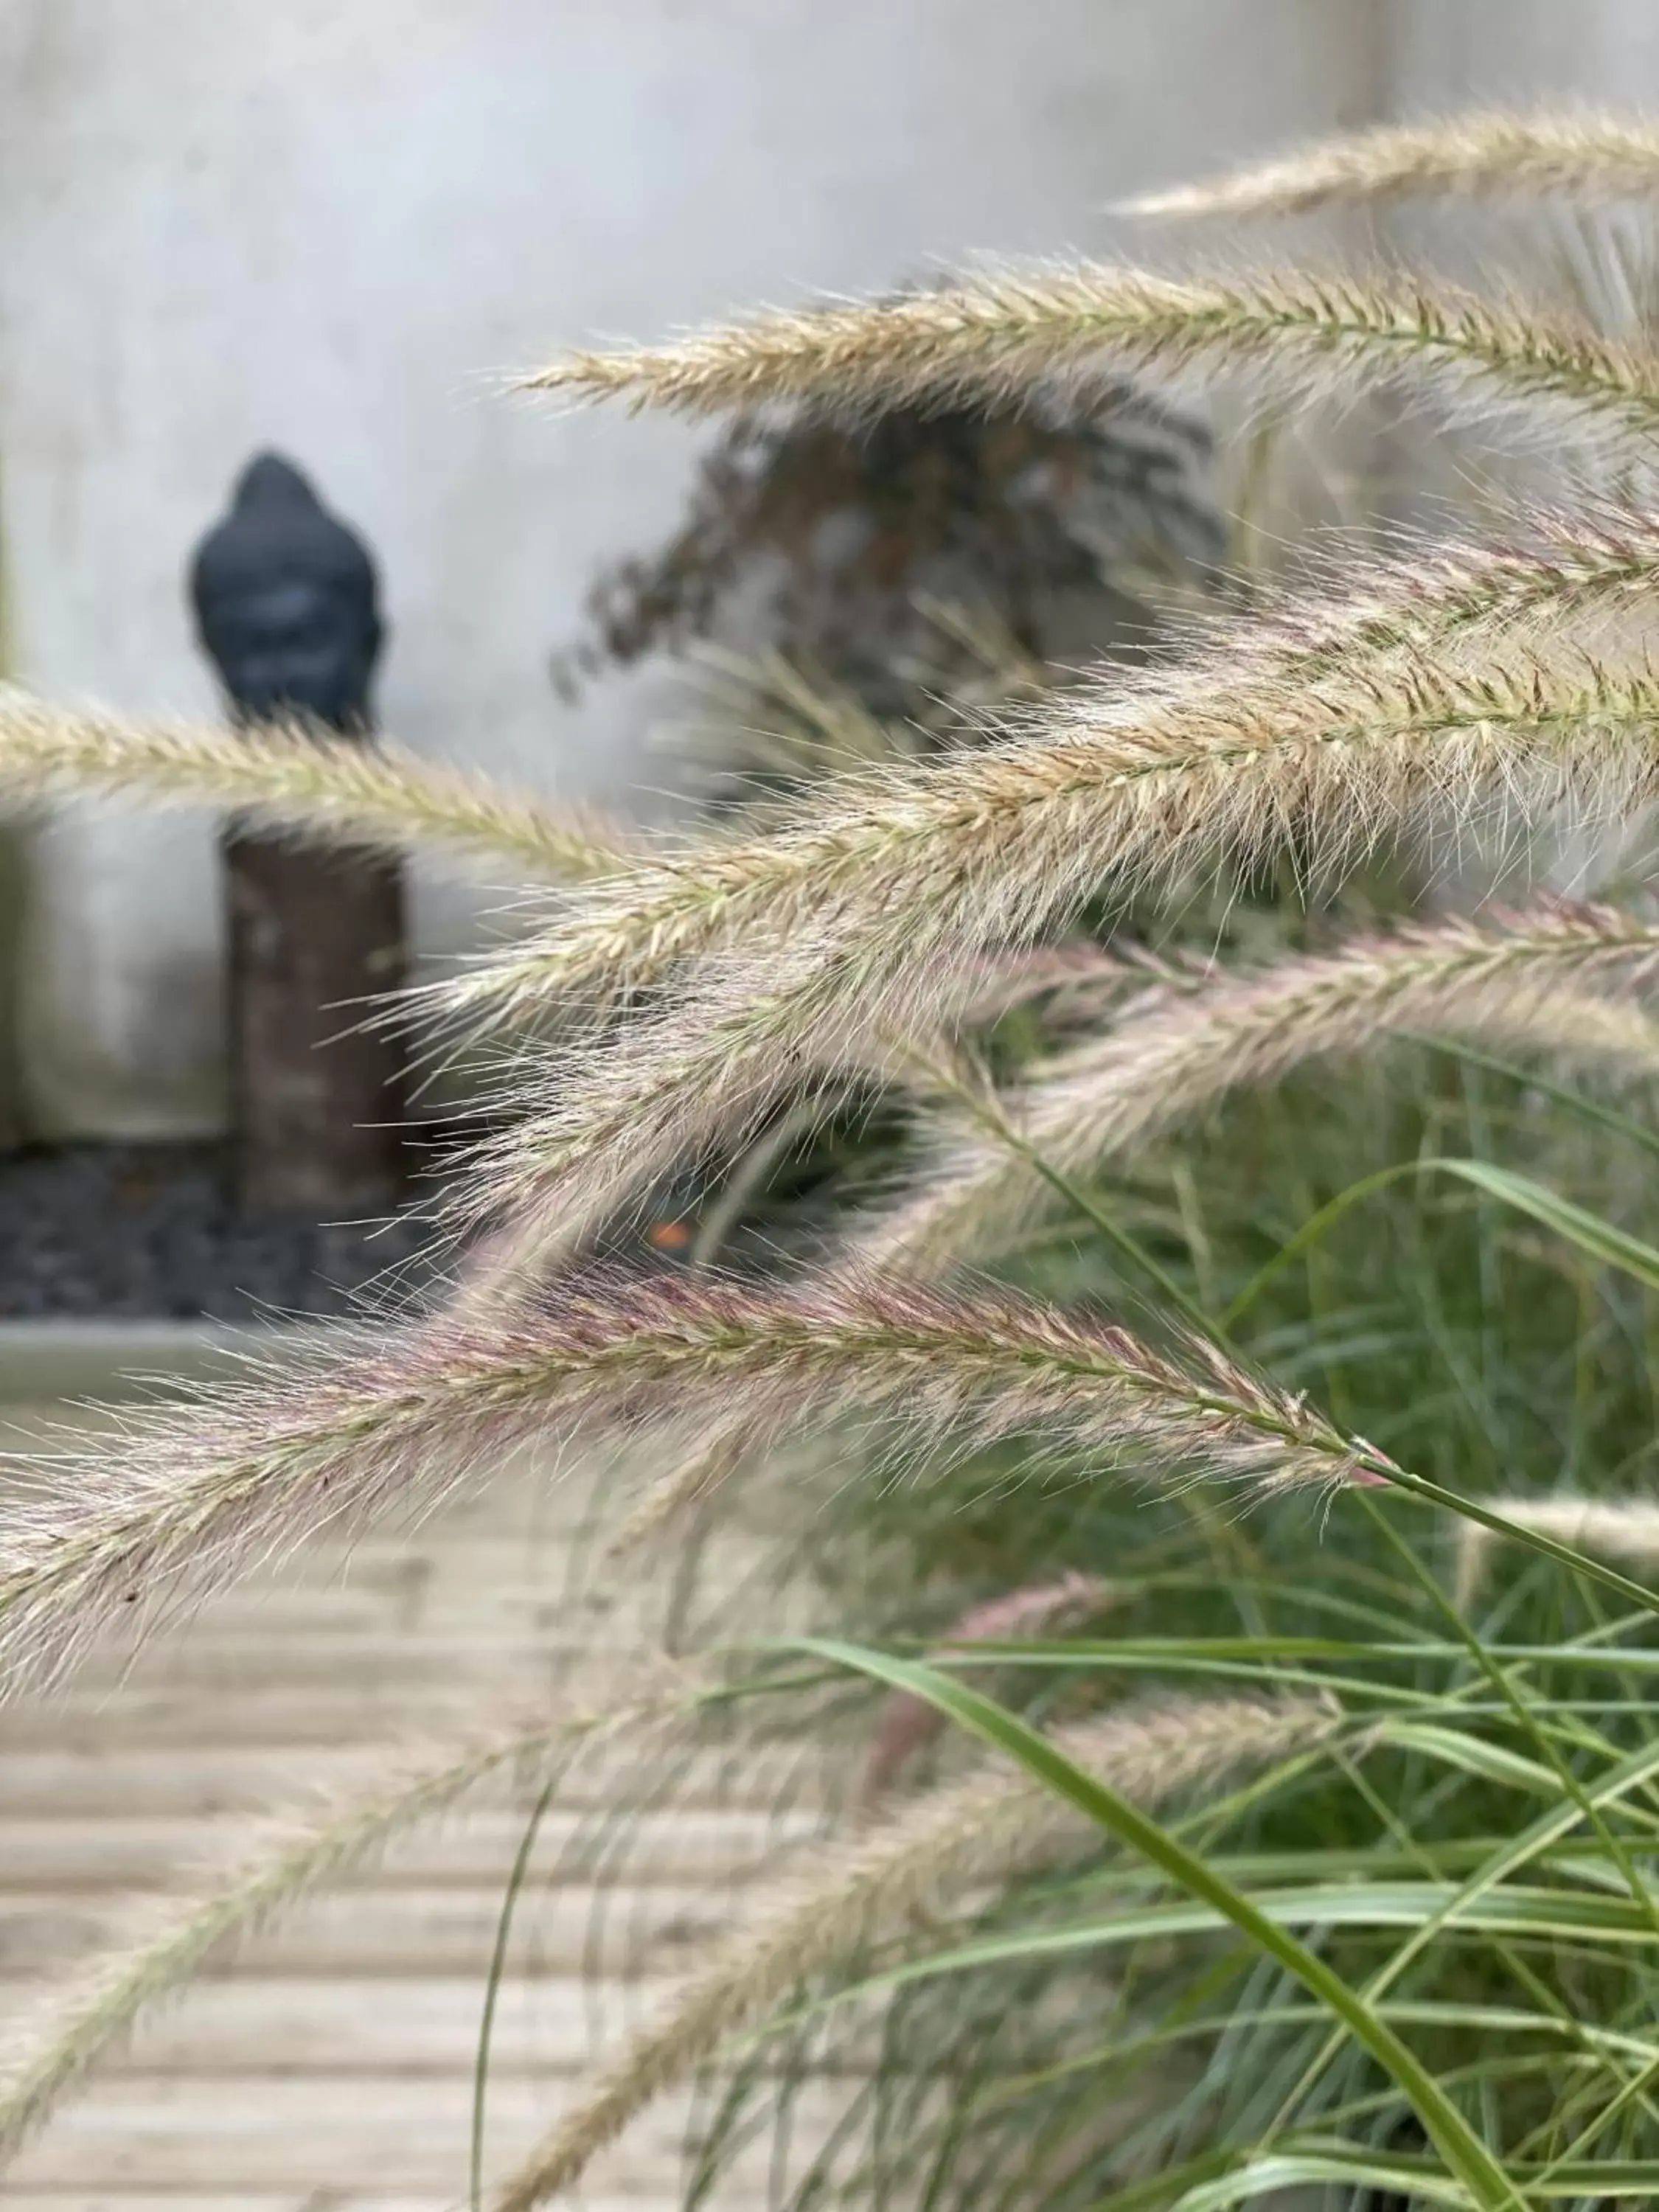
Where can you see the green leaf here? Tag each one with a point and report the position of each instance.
(1588, 1231)
(1473, 1755)
(1588, 1109)
(1219, 2180)
(1613, 1246)
(1550, 1915)
(1464, 2153)
(1357, 2170)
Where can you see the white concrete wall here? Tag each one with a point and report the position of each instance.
(224, 224)
(1447, 52)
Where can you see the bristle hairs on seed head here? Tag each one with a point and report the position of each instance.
(849, 926)
(722, 1452)
(1587, 154)
(1371, 646)
(1359, 639)
(1515, 979)
(375, 1423)
(1543, 570)
(1000, 337)
(296, 782)
(843, 1897)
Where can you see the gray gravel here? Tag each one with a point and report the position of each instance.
(148, 1229)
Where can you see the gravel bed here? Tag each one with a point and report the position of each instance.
(149, 1231)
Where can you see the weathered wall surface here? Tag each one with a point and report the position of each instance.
(1448, 52)
(223, 226)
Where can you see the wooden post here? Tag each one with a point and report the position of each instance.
(317, 1100)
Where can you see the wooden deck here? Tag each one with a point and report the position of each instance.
(330, 2068)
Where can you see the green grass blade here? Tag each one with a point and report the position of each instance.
(1539, 1915)
(1462, 2150)
(1588, 1109)
(515, 1883)
(1599, 1238)
(1612, 1247)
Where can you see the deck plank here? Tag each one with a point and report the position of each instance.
(329, 2062)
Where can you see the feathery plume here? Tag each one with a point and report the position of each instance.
(1371, 643)
(284, 778)
(846, 1896)
(908, 1724)
(858, 916)
(1516, 979)
(394, 1417)
(169, 1941)
(997, 338)
(1590, 155)
(1601, 556)
(1620, 1529)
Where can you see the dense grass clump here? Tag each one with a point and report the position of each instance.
(1215, 1437)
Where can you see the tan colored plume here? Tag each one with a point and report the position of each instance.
(998, 337)
(908, 1723)
(1363, 640)
(1591, 154)
(385, 1419)
(1618, 1527)
(164, 1943)
(1558, 569)
(869, 916)
(288, 779)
